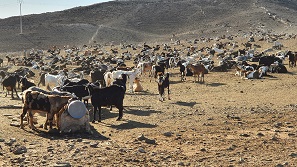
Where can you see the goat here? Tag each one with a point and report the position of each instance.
(198, 71)
(163, 82)
(145, 67)
(9, 82)
(239, 71)
(137, 86)
(34, 101)
(158, 69)
(292, 58)
(56, 80)
(98, 76)
(25, 84)
(78, 90)
(131, 75)
(256, 74)
(182, 69)
(108, 96)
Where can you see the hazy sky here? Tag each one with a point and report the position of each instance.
(9, 8)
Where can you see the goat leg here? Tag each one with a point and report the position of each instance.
(120, 113)
(31, 120)
(12, 97)
(168, 93)
(94, 110)
(22, 118)
(99, 114)
(16, 93)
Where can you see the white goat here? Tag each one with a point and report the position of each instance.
(55, 80)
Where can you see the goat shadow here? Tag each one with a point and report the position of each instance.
(129, 124)
(54, 134)
(140, 112)
(176, 82)
(215, 84)
(11, 107)
(142, 93)
(105, 113)
(182, 103)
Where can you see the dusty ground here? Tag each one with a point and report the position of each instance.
(226, 121)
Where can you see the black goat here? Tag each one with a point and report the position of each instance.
(108, 96)
(9, 82)
(98, 76)
(160, 68)
(42, 79)
(182, 70)
(163, 82)
(80, 91)
(25, 84)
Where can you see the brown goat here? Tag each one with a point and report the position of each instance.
(198, 71)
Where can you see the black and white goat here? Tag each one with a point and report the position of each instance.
(163, 82)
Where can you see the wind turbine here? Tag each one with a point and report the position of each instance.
(21, 23)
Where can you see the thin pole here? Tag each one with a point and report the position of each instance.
(21, 23)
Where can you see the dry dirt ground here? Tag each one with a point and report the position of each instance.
(226, 121)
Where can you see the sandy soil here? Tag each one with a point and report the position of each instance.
(226, 121)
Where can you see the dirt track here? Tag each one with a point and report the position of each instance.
(226, 121)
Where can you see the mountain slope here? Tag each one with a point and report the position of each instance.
(141, 20)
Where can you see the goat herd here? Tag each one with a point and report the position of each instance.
(109, 73)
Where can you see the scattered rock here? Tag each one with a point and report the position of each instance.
(244, 135)
(141, 150)
(241, 160)
(294, 155)
(203, 149)
(232, 147)
(278, 124)
(50, 149)
(62, 164)
(168, 134)
(274, 138)
(150, 141)
(19, 150)
(94, 145)
(86, 142)
(15, 124)
(141, 137)
(260, 134)
(181, 164)
(10, 142)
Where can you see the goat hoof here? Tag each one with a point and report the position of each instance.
(93, 121)
(119, 119)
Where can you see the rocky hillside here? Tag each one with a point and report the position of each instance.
(147, 20)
